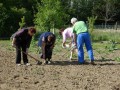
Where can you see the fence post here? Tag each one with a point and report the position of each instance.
(116, 26)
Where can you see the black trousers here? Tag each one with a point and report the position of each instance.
(48, 52)
(19, 49)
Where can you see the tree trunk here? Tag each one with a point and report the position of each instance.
(105, 24)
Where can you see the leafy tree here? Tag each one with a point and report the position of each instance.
(3, 17)
(50, 15)
(78, 8)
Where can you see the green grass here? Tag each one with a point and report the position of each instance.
(105, 45)
(100, 35)
(117, 59)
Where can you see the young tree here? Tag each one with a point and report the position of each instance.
(91, 21)
(22, 23)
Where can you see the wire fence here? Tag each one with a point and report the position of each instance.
(107, 27)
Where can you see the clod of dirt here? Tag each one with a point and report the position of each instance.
(117, 87)
(25, 78)
(39, 63)
(4, 86)
(16, 76)
(36, 82)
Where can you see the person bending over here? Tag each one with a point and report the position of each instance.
(46, 42)
(82, 37)
(68, 34)
(21, 41)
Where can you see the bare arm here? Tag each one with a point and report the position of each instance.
(75, 38)
(14, 42)
(53, 45)
(64, 40)
(63, 44)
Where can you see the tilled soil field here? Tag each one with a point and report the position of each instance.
(61, 74)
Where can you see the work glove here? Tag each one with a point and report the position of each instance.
(73, 46)
(66, 46)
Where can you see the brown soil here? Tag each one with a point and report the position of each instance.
(60, 75)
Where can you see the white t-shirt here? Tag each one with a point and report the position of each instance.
(68, 33)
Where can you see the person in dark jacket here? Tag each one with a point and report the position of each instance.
(21, 41)
(46, 42)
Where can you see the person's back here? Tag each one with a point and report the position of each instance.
(43, 36)
(80, 27)
(82, 37)
(47, 42)
(68, 32)
(21, 41)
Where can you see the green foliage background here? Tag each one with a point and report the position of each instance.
(53, 14)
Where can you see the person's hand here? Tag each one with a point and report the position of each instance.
(43, 56)
(13, 42)
(63, 46)
(52, 46)
(13, 45)
(67, 45)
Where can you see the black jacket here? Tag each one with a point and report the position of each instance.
(23, 38)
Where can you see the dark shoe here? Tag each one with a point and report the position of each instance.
(92, 62)
(41, 56)
(48, 62)
(45, 62)
(86, 63)
(80, 63)
(39, 63)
